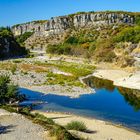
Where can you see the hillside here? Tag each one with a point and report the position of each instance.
(102, 36)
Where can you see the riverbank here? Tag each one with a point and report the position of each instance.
(55, 77)
(70, 91)
(14, 126)
(98, 130)
(121, 78)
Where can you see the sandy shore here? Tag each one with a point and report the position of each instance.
(120, 78)
(99, 130)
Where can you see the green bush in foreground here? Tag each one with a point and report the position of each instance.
(61, 133)
(8, 92)
(42, 118)
(76, 125)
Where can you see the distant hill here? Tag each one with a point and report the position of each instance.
(109, 36)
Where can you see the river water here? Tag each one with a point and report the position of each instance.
(115, 104)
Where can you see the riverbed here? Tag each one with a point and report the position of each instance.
(109, 103)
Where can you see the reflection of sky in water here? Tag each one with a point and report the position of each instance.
(105, 104)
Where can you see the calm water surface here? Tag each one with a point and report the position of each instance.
(117, 105)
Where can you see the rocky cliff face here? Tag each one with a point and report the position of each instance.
(9, 47)
(58, 25)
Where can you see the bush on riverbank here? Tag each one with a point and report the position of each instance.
(8, 92)
(76, 125)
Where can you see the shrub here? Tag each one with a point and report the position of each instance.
(43, 119)
(13, 69)
(20, 39)
(71, 40)
(59, 49)
(129, 34)
(25, 111)
(5, 32)
(61, 133)
(104, 50)
(76, 125)
(8, 91)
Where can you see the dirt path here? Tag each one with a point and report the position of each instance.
(16, 127)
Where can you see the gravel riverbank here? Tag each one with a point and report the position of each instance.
(16, 127)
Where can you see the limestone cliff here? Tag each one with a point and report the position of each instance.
(58, 25)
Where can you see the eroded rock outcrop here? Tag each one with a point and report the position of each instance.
(58, 25)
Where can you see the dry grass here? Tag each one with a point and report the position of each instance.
(6, 65)
(30, 67)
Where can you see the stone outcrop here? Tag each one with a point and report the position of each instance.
(58, 25)
(9, 47)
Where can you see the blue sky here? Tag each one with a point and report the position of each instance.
(19, 11)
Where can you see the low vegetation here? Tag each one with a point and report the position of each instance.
(8, 92)
(76, 125)
(20, 39)
(129, 34)
(73, 70)
(54, 79)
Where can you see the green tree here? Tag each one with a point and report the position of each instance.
(8, 91)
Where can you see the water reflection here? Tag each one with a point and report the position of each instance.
(131, 96)
(99, 83)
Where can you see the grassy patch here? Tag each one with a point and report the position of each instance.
(76, 71)
(53, 79)
(42, 118)
(30, 67)
(76, 125)
(6, 65)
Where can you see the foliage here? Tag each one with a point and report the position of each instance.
(45, 120)
(5, 32)
(25, 110)
(129, 34)
(20, 39)
(75, 69)
(137, 20)
(104, 51)
(13, 69)
(53, 79)
(61, 133)
(71, 40)
(76, 125)
(8, 91)
(59, 49)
